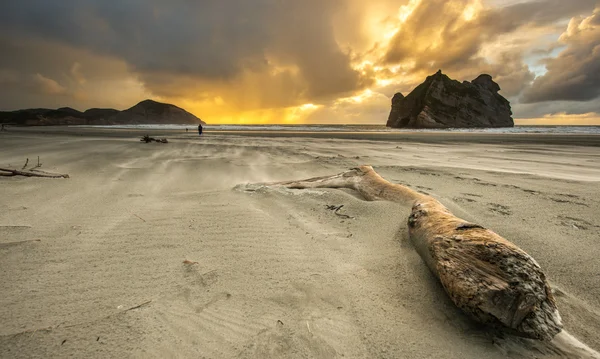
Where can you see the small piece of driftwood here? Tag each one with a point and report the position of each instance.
(138, 306)
(489, 278)
(336, 209)
(30, 173)
(148, 139)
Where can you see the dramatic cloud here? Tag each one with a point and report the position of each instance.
(47, 86)
(285, 60)
(465, 39)
(287, 44)
(575, 73)
(108, 82)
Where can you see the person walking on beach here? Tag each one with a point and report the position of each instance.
(200, 130)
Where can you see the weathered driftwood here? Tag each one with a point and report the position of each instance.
(148, 139)
(488, 277)
(34, 167)
(31, 173)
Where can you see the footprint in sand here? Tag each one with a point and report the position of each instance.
(560, 200)
(194, 276)
(463, 200)
(282, 341)
(482, 183)
(500, 209)
(575, 223)
(425, 188)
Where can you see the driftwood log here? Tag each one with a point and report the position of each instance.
(489, 278)
(149, 139)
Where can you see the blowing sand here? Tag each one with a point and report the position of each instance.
(93, 266)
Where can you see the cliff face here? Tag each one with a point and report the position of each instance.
(441, 102)
(145, 112)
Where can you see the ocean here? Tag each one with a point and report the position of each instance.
(364, 128)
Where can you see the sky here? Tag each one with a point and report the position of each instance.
(298, 61)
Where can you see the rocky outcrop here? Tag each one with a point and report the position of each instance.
(145, 112)
(441, 102)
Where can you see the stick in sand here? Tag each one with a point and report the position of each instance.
(489, 278)
(10, 172)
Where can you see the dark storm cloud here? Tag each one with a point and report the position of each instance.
(178, 37)
(204, 40)
(40, 73)
(574, 75)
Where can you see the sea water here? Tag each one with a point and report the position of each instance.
(364, 128)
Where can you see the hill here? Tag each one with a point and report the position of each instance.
(145, 112)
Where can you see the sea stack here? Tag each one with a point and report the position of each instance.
(440, 102)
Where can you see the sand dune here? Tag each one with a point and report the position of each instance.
(277, 273)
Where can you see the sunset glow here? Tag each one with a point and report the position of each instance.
(286, 65)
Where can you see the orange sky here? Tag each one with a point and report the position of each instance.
(300, 62)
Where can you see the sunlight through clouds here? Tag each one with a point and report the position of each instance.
(289, 61)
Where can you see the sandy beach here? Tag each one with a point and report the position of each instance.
(159, 250)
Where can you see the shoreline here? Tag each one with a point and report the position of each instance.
(590, 140)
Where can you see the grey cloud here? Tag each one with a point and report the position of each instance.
(8, 77)
(510, 72)
(536, 110)
(182, 37)
(574, 75)
(210, 40)
(542, 12)
(106, 81)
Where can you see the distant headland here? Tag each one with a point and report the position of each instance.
(145, 112)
